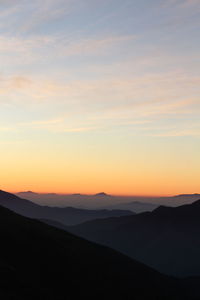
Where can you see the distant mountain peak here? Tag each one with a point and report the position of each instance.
(187, 195)
(101, 194)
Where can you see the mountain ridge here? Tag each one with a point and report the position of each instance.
(66, 215)
(134, 203)
(36, 269)
(166, 239)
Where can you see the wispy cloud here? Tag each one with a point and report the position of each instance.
(191, 3)
(59, 125)
(42, 123)
(178, 133)
(89, 46)
(158, 93)
(7, 129)
(182, 3)
(79, 129)
(22, 51)
(35, 13)
(57, 69)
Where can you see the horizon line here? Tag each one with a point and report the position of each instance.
(106, 194)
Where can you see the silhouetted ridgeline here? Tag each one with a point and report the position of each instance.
(105, 201)
(66, 215)
(167, 239)
(42, 262)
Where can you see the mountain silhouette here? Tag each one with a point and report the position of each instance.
(102, 194)
(136, 206)
(106, 201)
(38, 261)
(166, 239)
(65, 215)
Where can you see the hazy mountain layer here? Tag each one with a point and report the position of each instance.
(102, 201)
(167, 239)
(67, 215)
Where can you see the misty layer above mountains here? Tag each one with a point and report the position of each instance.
(105, 201)
(67, 215)
(166, 239)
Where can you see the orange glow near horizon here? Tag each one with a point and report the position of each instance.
(153, 168)
(127, 180)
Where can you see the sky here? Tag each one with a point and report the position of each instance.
(100, 96)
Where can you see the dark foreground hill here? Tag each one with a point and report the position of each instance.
(167, 239)
(41, 262)
(65, 215)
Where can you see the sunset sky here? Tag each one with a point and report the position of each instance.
(100, 95)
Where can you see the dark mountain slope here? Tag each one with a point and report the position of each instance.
(67, 215)
(38, 261)
(167, 239)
